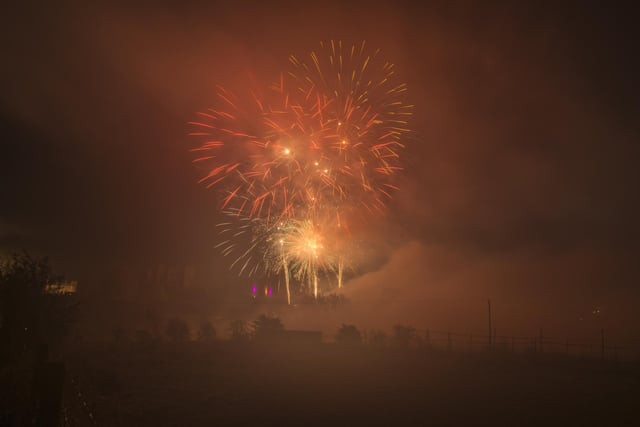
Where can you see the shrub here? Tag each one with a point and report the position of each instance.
(348, 334)
(177, 330)
(206, 332)
(404, 336)
(266, 326)
(377, 338)
(238, 330)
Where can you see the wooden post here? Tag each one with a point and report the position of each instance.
(427, 339)
(602, 344)
(540, 340)
(567, 348)
(470, 343)
(490, 329)
(513, 345)
(449, 346)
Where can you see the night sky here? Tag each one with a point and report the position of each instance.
(521, 173)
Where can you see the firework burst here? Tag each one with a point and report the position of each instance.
(299, 161)
(358, 100)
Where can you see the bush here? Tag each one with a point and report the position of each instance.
(348, 334)
(31, 315)
(238, 330)
(267, 327)
(377, 338)
(332, 300)
(404, 336)
(206, 332)
(177, 330)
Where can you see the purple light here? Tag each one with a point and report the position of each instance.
(270, 291)
(254, 289)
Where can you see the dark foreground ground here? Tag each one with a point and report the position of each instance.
(195, 384)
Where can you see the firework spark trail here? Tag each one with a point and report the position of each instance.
(322, 137)
(300, 161)
(361, 118)
(305, 248)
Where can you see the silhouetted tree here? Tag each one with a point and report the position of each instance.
(403, 335)
(206, 332)
(177, 330)
(30, 316)
(332, 300)
(238, 330)
(32, 320)
(348, 334)
(267, 327)
(377, 338)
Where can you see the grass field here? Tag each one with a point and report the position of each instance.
(225, 383)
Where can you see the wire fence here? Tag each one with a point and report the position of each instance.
(474, 343)
(599, 346)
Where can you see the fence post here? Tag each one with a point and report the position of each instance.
(567, 347)
(449, 346)
(513, 345)
(602, 344)
(427, 339)
(541, 349)
(490, 329)
(470, 343)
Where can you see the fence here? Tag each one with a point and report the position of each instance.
(470, 343)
